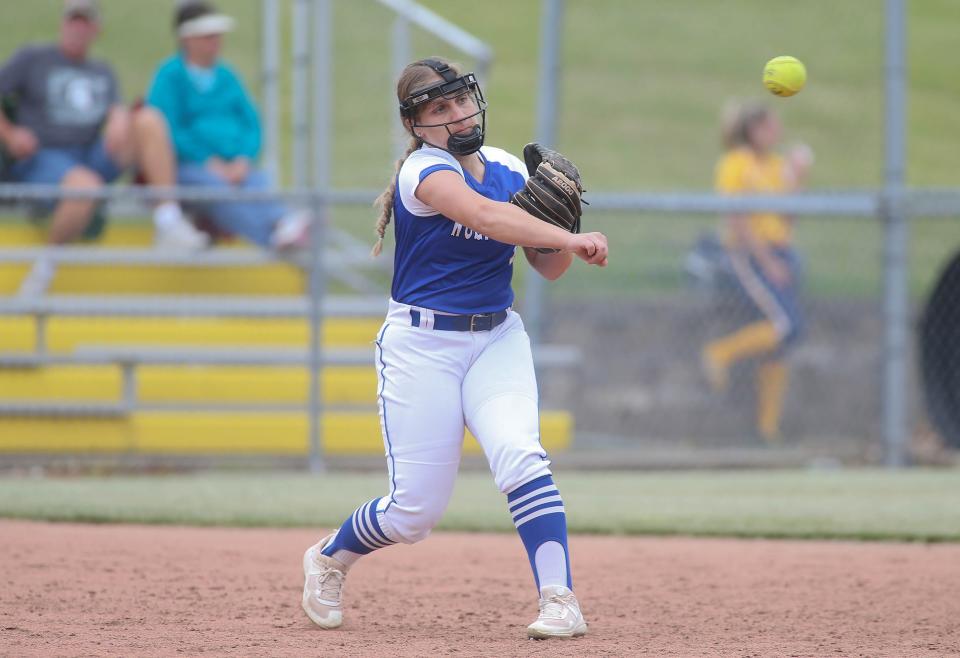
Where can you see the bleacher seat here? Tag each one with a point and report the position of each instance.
(184, 408)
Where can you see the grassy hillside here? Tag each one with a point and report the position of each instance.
(642, 89)
(920, 505)
(643, 81)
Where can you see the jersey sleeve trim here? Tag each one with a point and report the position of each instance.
(437, 167)
(415, 169)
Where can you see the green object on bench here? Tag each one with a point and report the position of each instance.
(8, 107)
(97, 225)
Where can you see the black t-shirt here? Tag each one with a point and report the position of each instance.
(64, 102)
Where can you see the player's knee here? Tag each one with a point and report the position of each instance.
(82, 178)
(794, 331)
(412, 533)
(514, 453)
(790, 338)
(412, 522)
(149, 120)
(412, 528)
(525, 465)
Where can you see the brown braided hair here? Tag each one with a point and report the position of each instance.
(739, 120)
(415, 76)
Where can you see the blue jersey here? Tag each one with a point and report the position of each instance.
(440, 264)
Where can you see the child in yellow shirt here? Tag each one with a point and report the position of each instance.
(763, 259)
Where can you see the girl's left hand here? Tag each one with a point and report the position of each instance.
(800, 159)
(589, 247)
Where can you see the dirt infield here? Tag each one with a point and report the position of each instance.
(80, 590)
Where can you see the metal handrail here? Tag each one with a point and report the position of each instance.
(441, 28)
(82, 255)
(148, 193)
(206, 355)
(191, 306)
(855, 203)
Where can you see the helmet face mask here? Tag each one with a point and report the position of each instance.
(451, 87)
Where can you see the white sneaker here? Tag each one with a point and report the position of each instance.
(323, 586)
(181, 235)
(559, 615)
(292, 231)
(38, 279)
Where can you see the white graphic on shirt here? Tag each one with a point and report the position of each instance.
(465, 232)
(77, 98)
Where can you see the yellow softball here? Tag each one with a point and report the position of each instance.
(784, 75)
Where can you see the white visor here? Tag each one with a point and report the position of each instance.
(204, 25)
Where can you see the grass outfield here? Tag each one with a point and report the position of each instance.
(915, 505)
(642, 88)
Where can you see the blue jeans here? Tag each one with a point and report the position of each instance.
(781, 306)
(253, 220)
(48, 166)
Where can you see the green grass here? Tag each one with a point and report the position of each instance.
(918, 505)
(642, 89)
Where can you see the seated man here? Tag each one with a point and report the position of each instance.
(71, 130)
(216, 131)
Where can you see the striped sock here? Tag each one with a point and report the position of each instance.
(538, 513)
(360, 534)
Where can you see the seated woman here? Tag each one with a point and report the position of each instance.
(216, 132)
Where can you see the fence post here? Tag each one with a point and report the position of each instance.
(400, 55)
(269, 87)
(300, 99)
(322, 109)
(551, 22)
(896, 237)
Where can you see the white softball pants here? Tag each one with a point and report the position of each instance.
(432, 383)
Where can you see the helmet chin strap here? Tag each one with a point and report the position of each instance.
(466, 144)
(458, 144)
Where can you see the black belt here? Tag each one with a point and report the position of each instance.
(475, 322)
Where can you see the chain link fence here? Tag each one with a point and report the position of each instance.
(936, 287)
(645, 326)
(639, 393)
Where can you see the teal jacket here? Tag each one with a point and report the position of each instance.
(221, 121)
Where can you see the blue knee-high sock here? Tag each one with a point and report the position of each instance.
(360, 533)
(538, 513)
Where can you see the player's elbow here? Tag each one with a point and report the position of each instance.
(552, 274)
(486, 217)
(553, 266)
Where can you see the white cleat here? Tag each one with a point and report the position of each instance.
(38, 279)
(323, 586)
(292, 232)
(181, 236)
(560, 615)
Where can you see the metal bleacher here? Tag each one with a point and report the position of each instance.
(117, 359)
(133, 351)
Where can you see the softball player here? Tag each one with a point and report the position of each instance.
(451, 352)
(763, 259)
